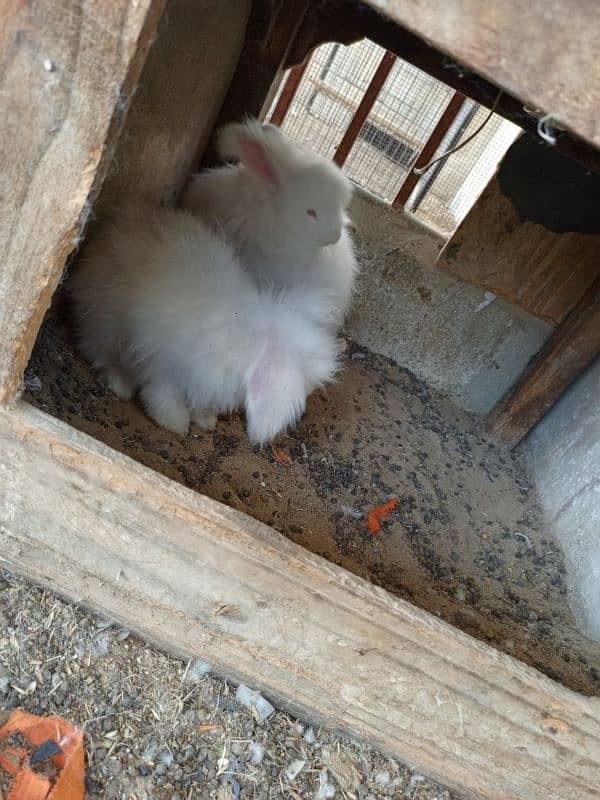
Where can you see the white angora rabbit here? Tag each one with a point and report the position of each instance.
(163, 306)
(283, 208)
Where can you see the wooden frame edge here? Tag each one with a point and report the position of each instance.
(105, 531)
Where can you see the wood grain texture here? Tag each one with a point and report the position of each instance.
(571, 348)
(67, 69)
(544, 53)
(181, 89)
(123, 540)
(545, 273)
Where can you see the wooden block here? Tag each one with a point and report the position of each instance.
(543, 53)
(67, 70)
(570, 349)
(162, 560)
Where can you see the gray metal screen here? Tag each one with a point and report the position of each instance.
(398, 126)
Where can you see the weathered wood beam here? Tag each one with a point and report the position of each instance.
(569, 350)
(271, 31)
(57, 146)
(162, 560)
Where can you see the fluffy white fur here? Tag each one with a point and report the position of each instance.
(283, 208)
(163, 306)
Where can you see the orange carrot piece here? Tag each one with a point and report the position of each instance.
(378, 514)
(281, 457)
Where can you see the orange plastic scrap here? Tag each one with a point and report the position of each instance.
(281, 457)
(380, 513)
(29, 785)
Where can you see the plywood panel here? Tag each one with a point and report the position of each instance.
(545, 273)
(67, 70)
(162, 560)
(544, 53)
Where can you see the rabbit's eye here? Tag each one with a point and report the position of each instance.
(311, 213)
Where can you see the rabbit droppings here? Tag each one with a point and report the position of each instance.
(284, 210)
(164, 307)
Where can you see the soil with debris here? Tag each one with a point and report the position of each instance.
(160, 729)
(465, 541)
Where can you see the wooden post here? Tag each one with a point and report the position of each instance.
(57, 144)
(429, 149)
(288, 93)
(570, 349)
(364, 108)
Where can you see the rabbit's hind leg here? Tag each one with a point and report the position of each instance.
(205, 419)
(117, 380)
(166, 405)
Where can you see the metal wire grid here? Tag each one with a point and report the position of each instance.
(400, 122)
(402, 119)
(446, 193)
(329, 94)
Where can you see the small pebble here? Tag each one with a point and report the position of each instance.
(293, 769)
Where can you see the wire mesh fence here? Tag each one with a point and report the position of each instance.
(396, 129)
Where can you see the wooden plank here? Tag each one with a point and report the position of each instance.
(67, 70)
(288, 93)
(543, 271)
(125, 541)
(571, 348)
(181, 89)
(366, 104)
(508, 43)
(430, 148)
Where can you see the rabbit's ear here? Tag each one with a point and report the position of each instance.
(255, 157)
(275, 394)
(247, 143)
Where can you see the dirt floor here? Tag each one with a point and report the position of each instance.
(160, 729)
(466, 540)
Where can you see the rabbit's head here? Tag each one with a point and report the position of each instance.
(299, 353)
(305, 194)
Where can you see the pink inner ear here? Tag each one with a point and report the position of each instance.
(254, 157)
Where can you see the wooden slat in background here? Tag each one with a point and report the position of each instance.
(545, 273)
